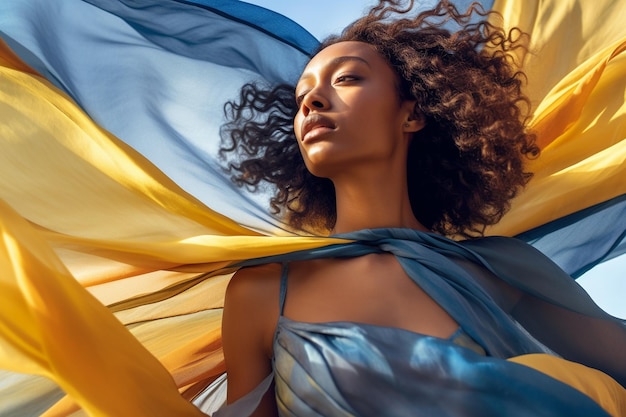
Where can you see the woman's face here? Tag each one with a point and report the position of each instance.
(350, 114)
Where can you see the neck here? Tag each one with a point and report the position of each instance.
(373, 201)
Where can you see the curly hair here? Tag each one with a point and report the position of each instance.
(463, 167)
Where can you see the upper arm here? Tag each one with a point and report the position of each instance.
(250, 316)
(587, 337)
(594, 342)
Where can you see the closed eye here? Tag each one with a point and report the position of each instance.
(346, 78)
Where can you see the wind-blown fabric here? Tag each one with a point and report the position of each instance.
(114, 209)
(356, 369)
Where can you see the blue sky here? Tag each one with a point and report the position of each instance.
(606, 283)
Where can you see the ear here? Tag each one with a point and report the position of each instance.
(414, 121)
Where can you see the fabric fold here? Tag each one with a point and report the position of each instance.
(113, 195)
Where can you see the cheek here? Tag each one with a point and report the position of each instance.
(375, 108)
(372, 120)
(297, 121)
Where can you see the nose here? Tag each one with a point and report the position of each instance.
(314, 100)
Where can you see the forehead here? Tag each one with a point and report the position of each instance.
(330, 55)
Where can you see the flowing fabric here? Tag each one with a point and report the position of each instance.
(575, 70)
(119, 230)
(356, 369)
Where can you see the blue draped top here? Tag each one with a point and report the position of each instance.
(355, 369)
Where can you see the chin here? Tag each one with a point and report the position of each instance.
(318, 165)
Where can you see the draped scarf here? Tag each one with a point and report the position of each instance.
(119, 230)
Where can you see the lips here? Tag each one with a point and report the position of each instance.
(315, 124)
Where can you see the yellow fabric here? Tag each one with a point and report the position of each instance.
(84, 215)
(90, 206)
(595, 384)
(576, 81)
(52, 333)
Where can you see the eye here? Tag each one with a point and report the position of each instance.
(346, 78)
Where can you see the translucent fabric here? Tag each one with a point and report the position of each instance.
(119, 230)
(344, 368)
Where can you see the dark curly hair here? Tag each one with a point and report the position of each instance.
(463, 167)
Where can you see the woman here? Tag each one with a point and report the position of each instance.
(84, 214)
(401, 129)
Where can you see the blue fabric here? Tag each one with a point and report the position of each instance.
(156, 74)
(343, 368)
(426, 259)
(581, 240)
(348, 369)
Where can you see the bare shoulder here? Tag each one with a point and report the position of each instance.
(252, 283)
(248, 325)
(251, 305)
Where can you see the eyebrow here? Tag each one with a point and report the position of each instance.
(338, 61)
(341, 59)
